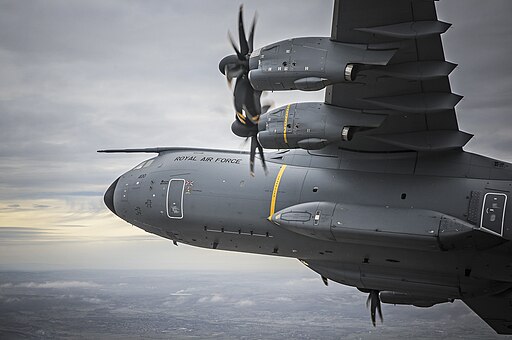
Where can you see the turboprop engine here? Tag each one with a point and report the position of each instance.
(312, 126)
(310, 64)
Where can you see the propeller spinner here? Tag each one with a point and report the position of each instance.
(246, 98)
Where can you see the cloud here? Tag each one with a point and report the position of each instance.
(93, 300)
(9, 299)
(10, 234)
(52, 285)
(302, 281)
(245, 303)
(283, 299)
(40, 206)
(215, 298)
(115, 75)
(181, 292)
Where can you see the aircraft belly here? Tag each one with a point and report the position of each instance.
(391, 278)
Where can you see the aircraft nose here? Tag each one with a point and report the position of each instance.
(108, 198)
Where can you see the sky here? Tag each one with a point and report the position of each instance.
(78, 76)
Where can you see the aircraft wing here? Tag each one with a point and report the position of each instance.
(496, 310)
(413, 89)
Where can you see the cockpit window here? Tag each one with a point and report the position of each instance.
(270, 49)
(148, 163)
(139, 166)
(145, 164)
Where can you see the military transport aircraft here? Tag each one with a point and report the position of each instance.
(370, 188)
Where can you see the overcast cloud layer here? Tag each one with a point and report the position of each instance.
(76, 77)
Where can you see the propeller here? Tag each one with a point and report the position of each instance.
(373, 302)
(246, 99)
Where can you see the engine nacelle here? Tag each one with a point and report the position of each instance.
(312, 126)
(310, 64)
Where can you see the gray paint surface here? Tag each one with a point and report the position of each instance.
(417, 236)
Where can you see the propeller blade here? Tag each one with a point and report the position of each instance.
(244, 47)
(373, 302)
(251, 34)
(262, 156)
(255, 144)
(241, 93)
(244, 143)
(232, 41)
(229, 80)
(252, 104)
(247, 101)
(379, 311)
(254, 141)
(229, 77)
(232, 71)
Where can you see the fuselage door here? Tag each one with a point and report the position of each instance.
(175, 192)
(493, 213)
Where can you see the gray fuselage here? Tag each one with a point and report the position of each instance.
(207, 198)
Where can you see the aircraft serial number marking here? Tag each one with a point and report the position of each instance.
(208, 159)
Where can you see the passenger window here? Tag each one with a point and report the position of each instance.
(175, 198)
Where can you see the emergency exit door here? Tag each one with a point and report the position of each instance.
(493, 213)
(175, 198)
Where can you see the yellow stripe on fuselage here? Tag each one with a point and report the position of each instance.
(274, 192)
(286, 123)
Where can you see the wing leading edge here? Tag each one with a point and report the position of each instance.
(413, 89)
